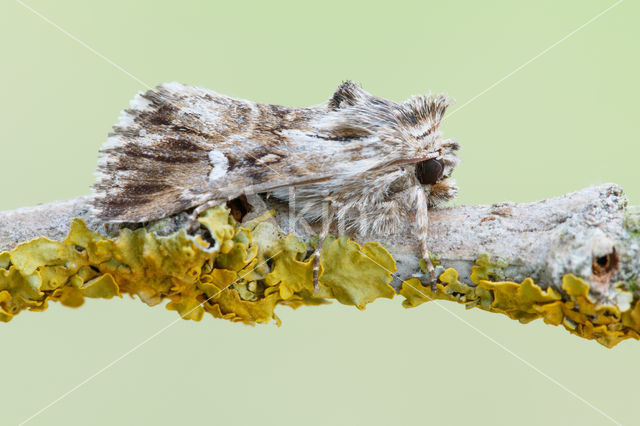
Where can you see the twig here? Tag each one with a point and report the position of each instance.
(571, 260)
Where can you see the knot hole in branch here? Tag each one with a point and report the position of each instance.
(239, 207)
(606, 264)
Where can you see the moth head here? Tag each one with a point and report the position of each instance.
(443, 159)
(434, 174)
(420, 118)
(429, 172)
(410, 130)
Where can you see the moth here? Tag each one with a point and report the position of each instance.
(365, 161)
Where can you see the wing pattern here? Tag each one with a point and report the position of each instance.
(180, 146)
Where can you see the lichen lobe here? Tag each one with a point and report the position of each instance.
(574, 308)
(242, 271)
(230, 274)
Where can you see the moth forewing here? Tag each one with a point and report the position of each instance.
(181, 147)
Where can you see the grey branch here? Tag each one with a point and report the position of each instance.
(591, 233)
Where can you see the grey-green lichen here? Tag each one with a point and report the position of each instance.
(631, 285)
(631, 222)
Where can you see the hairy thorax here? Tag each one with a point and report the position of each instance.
(379, 204)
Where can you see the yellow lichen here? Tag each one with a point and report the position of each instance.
(356, 275)
(242, 272)
(526, 301)
(230, 275)
(291, 272)
(487, 269)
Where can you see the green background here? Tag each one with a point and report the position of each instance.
(565, 121)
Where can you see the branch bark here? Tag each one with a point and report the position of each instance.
(590, 233)
(572, 260)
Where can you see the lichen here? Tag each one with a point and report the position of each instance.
(631, 221)
(435, 259)
(488, 269)
(575, 308)
(631, 285)
(230, 274)
(242, 272)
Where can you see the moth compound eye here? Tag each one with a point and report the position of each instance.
(429, 171)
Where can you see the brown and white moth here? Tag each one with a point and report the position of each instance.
(373, 163)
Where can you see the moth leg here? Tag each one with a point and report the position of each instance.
(292, 209)
(326, 223)
(422, 228)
